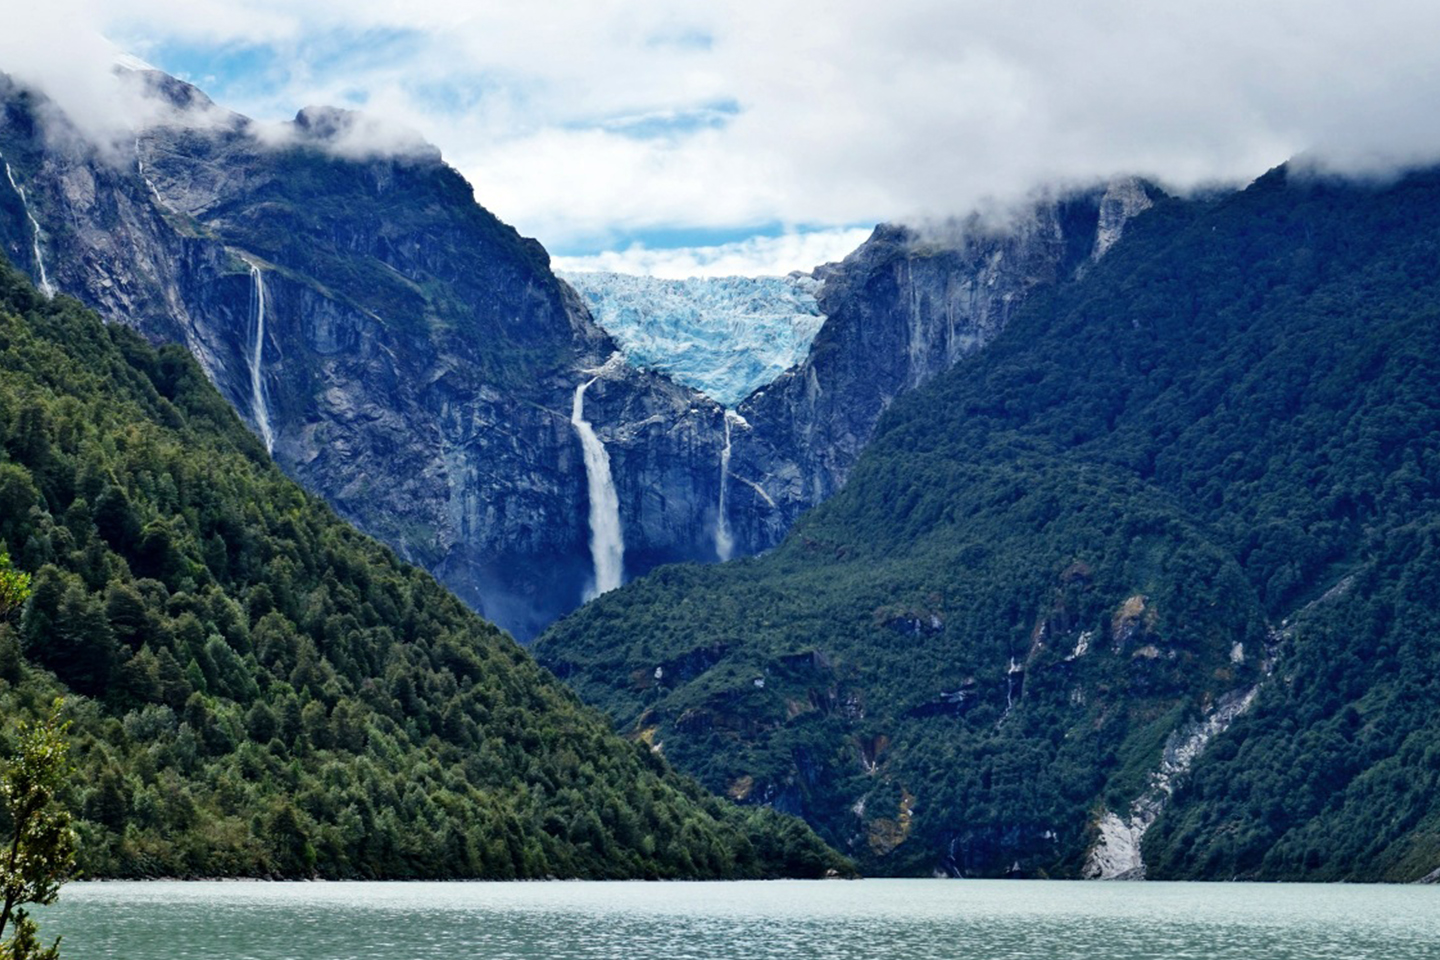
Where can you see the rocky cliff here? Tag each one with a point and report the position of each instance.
(403, 352)
(902, 308)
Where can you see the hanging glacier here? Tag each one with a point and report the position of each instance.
(723, 336)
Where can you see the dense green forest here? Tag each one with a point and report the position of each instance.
(1209, 464)
(257, 689)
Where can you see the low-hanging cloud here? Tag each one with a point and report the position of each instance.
(575, 121)
(755, 257)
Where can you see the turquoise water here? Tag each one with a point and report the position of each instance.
(713, 921)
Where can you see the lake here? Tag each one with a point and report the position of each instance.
(712, 921)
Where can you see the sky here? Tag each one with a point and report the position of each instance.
(762, 136)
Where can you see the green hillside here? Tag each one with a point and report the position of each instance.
(1220, 445)
(259, 690)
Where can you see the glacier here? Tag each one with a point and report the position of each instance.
(723, 336)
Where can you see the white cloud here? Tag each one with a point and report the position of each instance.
(833, 113)
(755, 257)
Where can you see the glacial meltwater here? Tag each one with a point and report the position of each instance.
(893, 919)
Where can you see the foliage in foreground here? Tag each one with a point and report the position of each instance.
(39, 853)
(260, 690)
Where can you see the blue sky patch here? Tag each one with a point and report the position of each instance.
(665, 123)
(235, 73)
(671, 238)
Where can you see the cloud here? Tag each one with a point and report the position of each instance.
(78, 81)
(585, 123)
(350, 134)
(755, 257)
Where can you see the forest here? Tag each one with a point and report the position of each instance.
(256, 689)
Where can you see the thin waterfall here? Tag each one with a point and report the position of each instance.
(259, 409)
(1010, 683)
(154, 190)
(46, 287)
(607, 545)
(724, 540)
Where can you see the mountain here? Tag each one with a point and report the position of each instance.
(1143, 588)
(414, 361)
(905, 306)
(259, 690)
(805, 365)
(404, 354)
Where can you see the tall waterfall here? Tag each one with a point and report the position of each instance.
(607, 545)
(259, 409)
(724, 541)
(46, 287)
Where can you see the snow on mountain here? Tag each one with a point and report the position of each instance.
(724, 336)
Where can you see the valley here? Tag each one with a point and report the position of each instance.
(1089, 538)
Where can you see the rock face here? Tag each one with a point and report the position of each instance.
(903, 307)
(413, 360)
(418, 357)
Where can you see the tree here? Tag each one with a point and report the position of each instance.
(42, 844)
(14, 591)
(14, 587)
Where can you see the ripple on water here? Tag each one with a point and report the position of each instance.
(901, 919)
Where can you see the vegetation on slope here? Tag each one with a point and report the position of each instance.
(1234, 413)
(257, 689)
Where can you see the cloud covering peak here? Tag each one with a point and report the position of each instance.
(593, 124)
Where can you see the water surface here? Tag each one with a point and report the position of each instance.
(899, 919)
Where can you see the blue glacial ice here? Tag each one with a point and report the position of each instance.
(723, 336)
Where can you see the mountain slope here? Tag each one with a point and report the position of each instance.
(413, 360)
(260, 690)
(905, 306)
(1183, 500)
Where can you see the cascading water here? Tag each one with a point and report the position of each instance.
(724, 540)
(607, 545)
(46, 287)
(258, 407)
(154, 190)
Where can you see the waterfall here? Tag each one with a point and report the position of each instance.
(607, 546)
(724, 541)
(46, 287)
(258, 408)
(154, 190)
